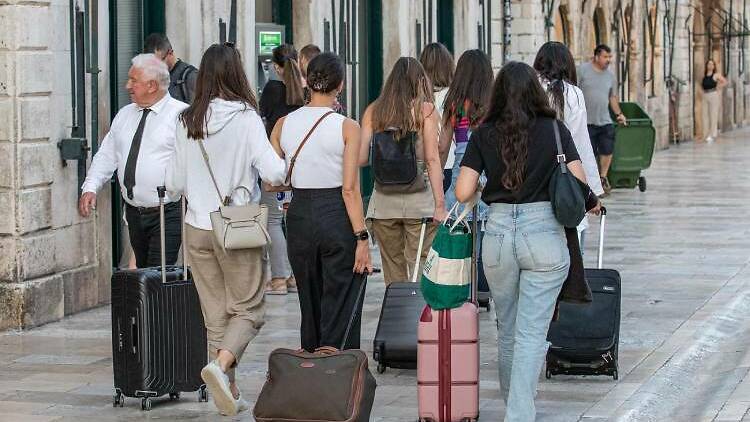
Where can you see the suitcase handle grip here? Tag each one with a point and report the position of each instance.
(602, 225)
(133, 336)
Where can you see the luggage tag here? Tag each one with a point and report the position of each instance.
(283, 199)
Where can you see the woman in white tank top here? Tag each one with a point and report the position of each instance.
(327, 239)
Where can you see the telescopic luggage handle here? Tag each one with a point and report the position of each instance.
(602, 224)
(422, 231)
(474, 282)
(162, 191)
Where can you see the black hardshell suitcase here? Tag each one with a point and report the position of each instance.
(159, 343)
(395, 343)
(584, 340)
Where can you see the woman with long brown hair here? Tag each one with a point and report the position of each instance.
(524, 248)
(279, 98)
(438, 64)
(465, 104)
(404, 113)
(221, 150)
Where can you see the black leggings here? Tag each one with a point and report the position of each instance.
(321, 248)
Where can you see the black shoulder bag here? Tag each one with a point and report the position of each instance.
(566, 195)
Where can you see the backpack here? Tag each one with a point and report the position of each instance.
(394, 163)
(181, 83)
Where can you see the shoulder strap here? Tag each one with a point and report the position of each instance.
(560, 153)
(302, 144)
(223, 200)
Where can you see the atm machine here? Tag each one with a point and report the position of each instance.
(268, 36)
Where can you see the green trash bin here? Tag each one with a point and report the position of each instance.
(634, 148)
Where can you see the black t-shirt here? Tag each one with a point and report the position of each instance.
(483, 155)
(273, 104)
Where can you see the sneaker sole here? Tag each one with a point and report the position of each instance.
(222, 398)
(276, 292)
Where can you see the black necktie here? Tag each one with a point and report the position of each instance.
(135, 146)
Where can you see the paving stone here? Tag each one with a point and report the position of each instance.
(681, 248)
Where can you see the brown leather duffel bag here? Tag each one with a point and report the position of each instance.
(326, 386)
(329, 385)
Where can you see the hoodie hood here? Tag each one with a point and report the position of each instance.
(221, 112)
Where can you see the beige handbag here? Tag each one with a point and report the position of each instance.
(237, 227)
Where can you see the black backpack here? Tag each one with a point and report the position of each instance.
(394, 163)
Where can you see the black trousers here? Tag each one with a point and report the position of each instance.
(143, 228)
(321, 249)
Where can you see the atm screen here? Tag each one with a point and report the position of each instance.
(267, 41)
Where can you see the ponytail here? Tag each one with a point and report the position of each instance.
(285, 56)
(556, 92)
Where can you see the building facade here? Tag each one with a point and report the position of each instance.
(63, 65)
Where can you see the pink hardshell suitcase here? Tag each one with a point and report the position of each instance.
(448, 360)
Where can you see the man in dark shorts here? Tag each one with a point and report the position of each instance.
(600, 93)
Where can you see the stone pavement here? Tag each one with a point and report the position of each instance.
(683, 250)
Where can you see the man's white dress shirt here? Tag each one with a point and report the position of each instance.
(157, 147)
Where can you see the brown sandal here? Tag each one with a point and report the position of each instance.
(277, 286)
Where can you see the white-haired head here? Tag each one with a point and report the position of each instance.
(153, 68)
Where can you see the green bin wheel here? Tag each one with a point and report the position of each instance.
(642, 184)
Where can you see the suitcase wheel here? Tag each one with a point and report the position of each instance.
(174, 396)
(203, 394)
(615, 375)
(381, 368)
(548, 374)
(146, 404)
(118, 400)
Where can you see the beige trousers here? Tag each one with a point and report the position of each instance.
(711, 106)
(398, 239)
(230, 288)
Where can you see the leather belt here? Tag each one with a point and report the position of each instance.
(150, 210)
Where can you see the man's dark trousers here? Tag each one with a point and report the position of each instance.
(143, 228)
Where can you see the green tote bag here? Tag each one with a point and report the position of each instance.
(446, 275)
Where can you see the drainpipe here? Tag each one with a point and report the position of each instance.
(92, 46)
(507, 18)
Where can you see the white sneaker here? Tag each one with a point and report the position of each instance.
(242, 404)
(218, 385)
(710, 139)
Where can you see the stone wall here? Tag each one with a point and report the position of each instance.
(52, 262)
(528, 33)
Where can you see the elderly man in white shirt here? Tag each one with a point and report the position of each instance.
(139, 145)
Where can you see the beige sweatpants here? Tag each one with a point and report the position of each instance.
(711, 105)
(230, 288)
(398, 239)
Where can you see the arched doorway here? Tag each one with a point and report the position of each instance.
(563, 32)
(598, 34)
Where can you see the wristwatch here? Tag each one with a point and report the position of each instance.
(362, 235)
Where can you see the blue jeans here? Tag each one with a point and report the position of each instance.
(526, 261)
